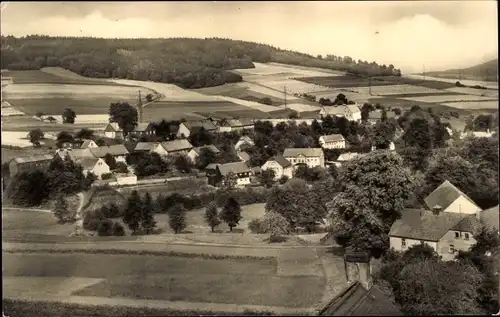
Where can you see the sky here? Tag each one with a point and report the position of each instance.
(438, 34)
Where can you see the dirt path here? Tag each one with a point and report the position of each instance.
(27, 209)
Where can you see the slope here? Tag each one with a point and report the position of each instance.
(486, 72)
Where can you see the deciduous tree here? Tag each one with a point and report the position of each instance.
(177, 218)
(133, 211)
(61, 211)
(68, 116)
(212, 216)
(123, 114)
(267, 177)
(275, 224)
(148, 222)
(35, 136)
(231, 213)
(110, 160)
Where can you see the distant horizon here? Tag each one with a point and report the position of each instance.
(441, 35)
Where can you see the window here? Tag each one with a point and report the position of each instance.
(452, 248)
(457, 235)
(466, 236)
(403, 243)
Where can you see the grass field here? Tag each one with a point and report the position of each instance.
(174, 278)
(252, 113)
(447, 98)
(478, 92)
(285, 70)
(33, 222)
(8, 153)
(28, 123)
(52, 75)
(176, 110)
(473, 105)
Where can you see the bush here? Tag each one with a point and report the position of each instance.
(121, 167)
(105, 228)
(106, 176)
(118, 230)
(283, 179)
(255, 226)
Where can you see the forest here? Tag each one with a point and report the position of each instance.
(186, 62)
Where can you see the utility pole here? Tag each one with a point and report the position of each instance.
(370, 84)
(285, 96)
(139, 107)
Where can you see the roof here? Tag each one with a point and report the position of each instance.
(444, 196)
(293, 152)
(145, 146)
(235, 167)
(244, 156)
(33, 158)
(355, 300)
(348, 156)
(114, 126)
(469, 224)
(333, 137)
(334, 110)
(176, 145)
(422, 224)
(245, 138)
(142, 126)
(211, 166)
(377, 115)
(87, 163)
(101, 151)
(210, 147)
(76, 154)
(239, 122)
(86, 144)
(281, 160)
(207, 125)
(353, 108)
(490, 218)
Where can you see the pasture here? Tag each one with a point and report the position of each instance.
(14, 138)
(344, 81)
(51, 75)
(478, 92)
(25, 222)
(175, 110)
(396, 90)
(174, 278)
(9, 153)
(28, 123)
(447, 98)
(472, 105)
(238, 114)
(288, 71)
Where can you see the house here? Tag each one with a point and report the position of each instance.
(179, 146)
(445, 232)
(74, 154)
(113, 131)
(280, 165)
(88, 144)
(244, 156)
(450, 199)
(240, 169)
(96, 166)
(310, 156)
(376, 116)
(235, 125)
(332, 141)
(29, 163)
(334, 111)
(490, 219)
(145, 147)
(118, 151)
(350, 112)
(195, 152)
(361, 296)
(142, 129)
(244, 140)
(345, 157)
(187, 128)
(477, 134)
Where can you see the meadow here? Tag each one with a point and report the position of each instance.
(175, 110)
(286, 70)
(473, 105)
(51, 75)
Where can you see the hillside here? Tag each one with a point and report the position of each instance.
(486, 72)
(189, 63)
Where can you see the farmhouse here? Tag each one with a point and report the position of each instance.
(310, 156)
(450, 200)
(376, 116)
(145, 147)
(187, 128)
(180, 146)
(96, 166)
(274, 122)
(74, 154)
(244, 140)
(195, 152)
(88, 144)
(29, 163)
(445, 232)
(476, 134)
(236, 125)
(332, 141)
(113, 131)
(345, 157)
(280, 165)
(241, 171)
(243, 156)
(350, 112)
(118, 151)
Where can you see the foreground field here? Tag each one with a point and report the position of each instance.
(173, 278)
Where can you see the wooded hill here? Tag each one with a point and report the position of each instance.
(189, 63)
(486, 71)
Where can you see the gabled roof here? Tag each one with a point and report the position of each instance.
(87, 163)
(309, 152)
(490, 218)
(142, 126)
(235, 167)
(113, 126)
(244, 156)
(444, 196)
(145, 146)
(207, 125)
(469, 224)
(86, 144)
(212, 148)
(76, 154)
(33, 158)
(355, 300)
(422, 224)
(177, 145)
(281, 160)
(333, 137)
(348, 156)
(353, 108)
(334, 110)
(114, 150)
(239, 122)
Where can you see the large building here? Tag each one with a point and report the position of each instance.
(96, 166)
(240, 170)
(236, 125)
(350, 112)
(29, 163)
(113, 130)
(311, 157)
(451, 199)
(332, 141)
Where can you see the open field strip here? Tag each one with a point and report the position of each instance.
(15, 139)
(288, 70)
(175, 110)
(292, 85)
(82, 118)
(396, 90)
(473, 104)
(249, 104)
(487, 84)
(344, 81)
(299, 107)
(324, 71)
(8, 154)
(449, 98)
(268, 91)
(51, 76)
(472, 91)
(27, 123)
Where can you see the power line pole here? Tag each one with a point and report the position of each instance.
(370, 85)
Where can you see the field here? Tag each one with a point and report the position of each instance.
(449, 98)
(8, 154)
(27, 123)
(171, 110)
(478, 92)
(473, 105)
(51, 75)
(252, 113)
(285, 70)
(393, 90)
(33, 222)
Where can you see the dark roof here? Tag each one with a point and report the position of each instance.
(355, 300)
(143, 126)
(244, 156)
(309, 152)
(235, 168)
(468, 224)
(118, 149)
(87, 163)
(490, 218)
(422, 224)
(197, 125)
(177, 145)
(444, 196)
(281, 160)
(33, 158)
(212, 148)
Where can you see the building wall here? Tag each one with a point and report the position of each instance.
(183, 130)
(396, 243)
(192, 155)
(224, 129)
(359, 272)
(278, 169)
(458, 243)
(92, 145)
(243, 181)
(356, 116)
(15, 168)
(332, 145)
(100, 168)
(160, 150)
(462, 205)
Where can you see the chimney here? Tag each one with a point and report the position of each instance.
(437, 209)
(358, 268)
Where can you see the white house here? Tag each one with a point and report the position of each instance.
(240, 169)
(195, 152)
(96, 166)
(244, 140)
(280, 165)
(332, 141)
(88, 144)
(235, 125)
(345, 157)
(350, 112)
(113, 131)
(189, 127)
(476, 134)
(451, 200)
(310, 156)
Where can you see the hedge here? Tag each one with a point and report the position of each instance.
(13, 307)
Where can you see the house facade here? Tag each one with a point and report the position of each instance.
(235, 125)
(312, 157)
(346, 157)
(195, 152)
(244, 140)
(113, 131)
(142, 129)
(118, 151)
(96, 166)
(240, 170)
(29, 163)
(332, 141)
(451, 199)
(179, 146)
(476, 134)
(88, 144)
(280, 165)
(350, 112)
(187, 128)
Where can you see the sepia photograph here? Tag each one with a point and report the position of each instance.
(244, 158)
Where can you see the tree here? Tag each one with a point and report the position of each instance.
(333, 171)
(177, 218)
(123, 114)
(293, 115)
(383, 134)
(51, 119)
(68, 116)
(121, 167)
(201, 137)
(266, 101)
(110, 160)
(105, 228)
(64, 137)
(35, 136)
(149, 97)
(373, 190)
(133, 212)
(229, 181)
(283, 179)
(61, 211)
(212, 216)
(39, 115)
(275, 224)
(183, 163)
(483, 122)
(205, 157)
(84, 134)
(267, 178)
(231, 213)
(418, 134)
(148, 222)
(118, 230)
